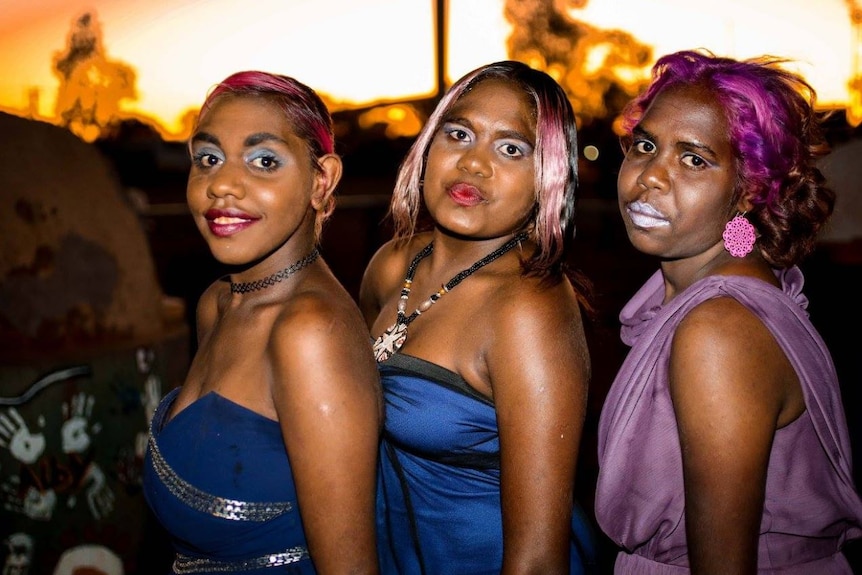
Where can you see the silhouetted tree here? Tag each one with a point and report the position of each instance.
(601, 70)
(91, 86)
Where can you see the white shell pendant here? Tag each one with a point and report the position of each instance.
(390, 342)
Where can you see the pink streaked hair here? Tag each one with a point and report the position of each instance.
(552, 226)
(304, 109)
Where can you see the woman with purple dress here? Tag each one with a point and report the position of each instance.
(723, 445)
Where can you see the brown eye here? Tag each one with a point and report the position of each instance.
(205, 159)
(643, 147)
(459, 134)
(694, 161)
(511, 150)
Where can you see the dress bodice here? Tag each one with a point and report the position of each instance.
(811, 506)
(438, 504)
(218, 479)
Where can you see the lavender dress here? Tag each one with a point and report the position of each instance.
(811, 506)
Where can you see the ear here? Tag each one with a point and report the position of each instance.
(326, 180)
(744, 204)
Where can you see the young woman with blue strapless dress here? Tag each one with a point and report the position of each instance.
(480, 338)
(264, 460)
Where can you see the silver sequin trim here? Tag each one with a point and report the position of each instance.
(211, 504)
(185, 564)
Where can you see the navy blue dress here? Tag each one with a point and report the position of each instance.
(218, 479)
(438, 502)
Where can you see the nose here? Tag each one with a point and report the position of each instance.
(474, 161)
(226, 181)
(654, 175)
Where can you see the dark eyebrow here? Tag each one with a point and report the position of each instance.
(639, 132)
(698, 146)
(252, 140)
(516, 135)
(456, 120)
(510, 134)
(205, 137)
(260, 137)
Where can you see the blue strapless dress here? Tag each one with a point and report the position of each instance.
(218, 479)
(438, 501)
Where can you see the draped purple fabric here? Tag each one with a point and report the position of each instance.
(811, 505)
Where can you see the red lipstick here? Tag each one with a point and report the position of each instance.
(465, 194)
(224, 223)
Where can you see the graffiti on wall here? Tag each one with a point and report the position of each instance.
(71, 452)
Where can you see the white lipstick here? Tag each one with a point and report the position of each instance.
(643, 215)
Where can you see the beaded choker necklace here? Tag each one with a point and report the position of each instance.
(281, 275)
(395, 336)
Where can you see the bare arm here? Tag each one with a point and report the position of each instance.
(539, 369)
(327, 397)
(730, 383)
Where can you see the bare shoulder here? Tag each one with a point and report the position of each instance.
(529, 300)
(320, 358)
(321, 317)
(721, 321)
(379, 273)
(391, 259)
(384, 273)
(540, 319)
(723, 349)
(537, 364)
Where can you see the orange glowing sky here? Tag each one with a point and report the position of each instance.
(360, 51)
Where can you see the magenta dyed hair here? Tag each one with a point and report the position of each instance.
(776, 137)
(302, 106)
(552, 226)
(304, 109)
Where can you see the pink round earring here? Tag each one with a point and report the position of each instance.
(739, 236)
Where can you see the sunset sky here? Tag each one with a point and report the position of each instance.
(360, 51)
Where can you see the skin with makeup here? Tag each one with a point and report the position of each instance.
(723, 446)
(480, 339)
(266, 456)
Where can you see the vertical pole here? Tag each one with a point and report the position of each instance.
(854, 85)
(441, 20)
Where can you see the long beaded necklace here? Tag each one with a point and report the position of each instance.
(395, 335)
(281, 275)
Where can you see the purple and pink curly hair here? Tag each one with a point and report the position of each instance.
(776, 135)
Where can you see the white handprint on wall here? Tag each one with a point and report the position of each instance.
(15, 436)
(74, 433)
(38, 504)
(34, 503)
(100, 498)
(26, 447)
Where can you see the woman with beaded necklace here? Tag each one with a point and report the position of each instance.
(485, 387)
(264, 460)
